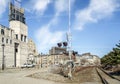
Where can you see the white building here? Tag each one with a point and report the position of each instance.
(15, 39)
(7, 38)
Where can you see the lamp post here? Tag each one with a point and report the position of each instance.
(3, 58)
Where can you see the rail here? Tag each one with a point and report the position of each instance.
(102, 79)
(106, 78)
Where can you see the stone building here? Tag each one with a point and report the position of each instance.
(87, 59)
(47, 60)
(18, 24)
(15, 39)
(32, 52)
(7, 38)
(57, 50)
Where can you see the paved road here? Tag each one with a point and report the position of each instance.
(19, 77)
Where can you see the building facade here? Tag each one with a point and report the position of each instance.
(87, 59)
(15, 39)
(48, 60)
(56, 50)
(32, 52)
(7, 38)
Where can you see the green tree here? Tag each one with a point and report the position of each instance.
(113, 57)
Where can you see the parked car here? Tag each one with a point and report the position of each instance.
(27, 66)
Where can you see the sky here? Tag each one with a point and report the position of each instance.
(95, 24)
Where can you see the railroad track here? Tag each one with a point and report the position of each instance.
(106, 78)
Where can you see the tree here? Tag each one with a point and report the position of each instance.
(113, 57)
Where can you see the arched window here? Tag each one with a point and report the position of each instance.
(2, 31)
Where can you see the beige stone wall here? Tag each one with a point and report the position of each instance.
(89, 60)
(9, 46)
(47, 60)
(57, 50)
(32, 48)
(20, 29)
(15, 28)
(23, 52)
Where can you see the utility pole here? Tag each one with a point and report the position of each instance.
(69, 39)
(3, 58)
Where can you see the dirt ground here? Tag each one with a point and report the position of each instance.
(87, 75)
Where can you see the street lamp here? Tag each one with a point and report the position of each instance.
(3, 58)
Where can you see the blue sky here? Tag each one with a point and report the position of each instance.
(95, 24)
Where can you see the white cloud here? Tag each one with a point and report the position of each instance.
(96, 10)
(46, 38)
(3, 5)
(38, 6)
(61, 5)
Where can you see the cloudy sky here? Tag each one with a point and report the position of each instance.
(95, 24)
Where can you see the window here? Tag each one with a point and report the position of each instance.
(17, 18)
(10, 41)
(6, 40)
(25, 39)
(2, 40)
(21, 37)
(16, 50)
(16, 36)
(2, 31)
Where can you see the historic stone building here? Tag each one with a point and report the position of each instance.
(15, 39)
(87, 59)
(57, 50)
(48, 60)
(7, 38)
(32, 52)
